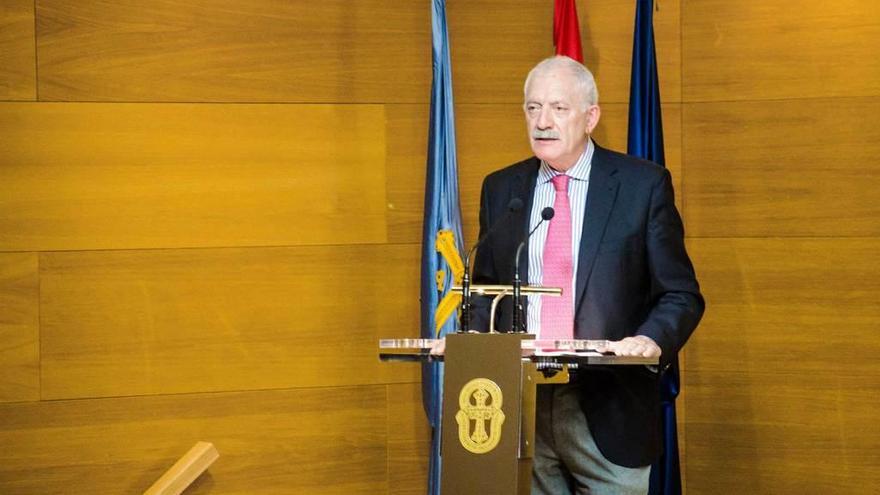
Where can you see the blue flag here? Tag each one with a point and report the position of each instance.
(441, 231)
(645, 140)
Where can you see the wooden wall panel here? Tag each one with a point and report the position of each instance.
(19, 327)
(782, 380)
(782, 168)
(109, 176)
(409, 440)
(173, 321)
(17, 54)
(336, 51)
(791, 432)
(406, 148)
(489, 137)
(607, 31)
(761, 50)
(323, 441)
(333, 51)
(780, 134)
(496, 42)
(775, 305)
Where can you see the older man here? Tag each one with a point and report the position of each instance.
(616, 246)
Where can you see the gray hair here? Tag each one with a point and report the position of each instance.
(585, 84)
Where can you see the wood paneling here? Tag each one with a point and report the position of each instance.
(17, 54)
(489, 137)
(759, 50)
(793, 432)
(607, 31)
(780, 136)
(174, 321)
(19, 327)
(256, 51)
(285, 441)
(337, 51)
(496, 42)
(406, 145)
(805, 305)
(109, 176)
(782, 168)
(409, 440)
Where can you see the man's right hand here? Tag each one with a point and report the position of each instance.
(439, 347)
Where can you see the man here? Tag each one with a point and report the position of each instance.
(616, 246)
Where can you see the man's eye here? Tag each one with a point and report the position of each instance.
(560, 109)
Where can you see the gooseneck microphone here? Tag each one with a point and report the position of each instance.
(513, 206)
(518, 320)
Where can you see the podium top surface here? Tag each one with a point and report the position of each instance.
(587, 352)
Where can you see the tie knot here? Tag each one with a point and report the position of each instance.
(560, 183)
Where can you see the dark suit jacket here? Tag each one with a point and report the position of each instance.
(634, 277)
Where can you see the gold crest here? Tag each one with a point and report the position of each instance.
(479, 416)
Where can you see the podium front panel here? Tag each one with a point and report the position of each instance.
(481, 414)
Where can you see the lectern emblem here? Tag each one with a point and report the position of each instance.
(479, 416)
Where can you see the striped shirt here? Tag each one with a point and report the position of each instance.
(544, 197)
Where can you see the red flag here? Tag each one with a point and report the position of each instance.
(566, 35)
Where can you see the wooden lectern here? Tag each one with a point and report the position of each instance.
(482, 415)
(488, 424)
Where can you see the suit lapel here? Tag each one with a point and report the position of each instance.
(601, 196)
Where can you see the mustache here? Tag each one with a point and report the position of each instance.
(548, 134)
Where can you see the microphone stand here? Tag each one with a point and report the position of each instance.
(518, 309)
(513, 206)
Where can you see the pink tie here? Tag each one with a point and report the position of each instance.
(557, 313)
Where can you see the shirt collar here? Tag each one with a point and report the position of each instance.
(580, 171)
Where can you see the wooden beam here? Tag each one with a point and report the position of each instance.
(185, 470)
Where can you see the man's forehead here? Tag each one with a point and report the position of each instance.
(552, 85)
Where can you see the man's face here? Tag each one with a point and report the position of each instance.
(558, 124)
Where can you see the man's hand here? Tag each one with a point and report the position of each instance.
(439, 347)
(639, 345)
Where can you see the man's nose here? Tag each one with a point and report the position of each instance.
(544, 118)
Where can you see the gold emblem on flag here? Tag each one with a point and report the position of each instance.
(479, 416)
(445, 245)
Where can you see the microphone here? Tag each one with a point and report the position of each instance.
(513, 206)
(518, 321)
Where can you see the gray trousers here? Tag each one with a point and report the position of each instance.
(567, 460)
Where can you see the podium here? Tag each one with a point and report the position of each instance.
(488, 423)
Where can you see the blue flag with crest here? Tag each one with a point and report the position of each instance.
(441, 231)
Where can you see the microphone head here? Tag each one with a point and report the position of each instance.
(547, 213)
(515, 205)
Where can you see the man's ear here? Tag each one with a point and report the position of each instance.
(593, 114)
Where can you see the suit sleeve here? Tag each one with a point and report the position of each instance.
(677, 302)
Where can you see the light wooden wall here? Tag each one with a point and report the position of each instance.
(192, 194)
(211, 210)
(780, 119)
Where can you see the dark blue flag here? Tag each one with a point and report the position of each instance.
(441, 234)
(645, 140)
